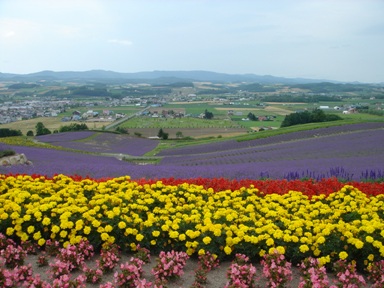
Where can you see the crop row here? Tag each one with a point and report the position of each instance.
(188, 217)
(294, 136)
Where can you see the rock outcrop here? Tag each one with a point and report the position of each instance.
(17, 159)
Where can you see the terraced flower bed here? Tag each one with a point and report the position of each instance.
(347, 223)
(352, 152)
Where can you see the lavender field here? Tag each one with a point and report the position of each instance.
(349, 152)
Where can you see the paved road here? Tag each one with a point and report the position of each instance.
(126, 118)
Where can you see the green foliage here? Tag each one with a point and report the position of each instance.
(121, 130)
(305, 117)
(207, 114)
(73, 127)
(4, 153)
(6, 132)
(22, 86)
(161, 134)
(30, 133)
(288, 98)
(41, 129)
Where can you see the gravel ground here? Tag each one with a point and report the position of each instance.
(216, 278)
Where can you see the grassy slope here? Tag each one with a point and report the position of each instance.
(264, 134)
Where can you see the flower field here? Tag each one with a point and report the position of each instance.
(326, 220)
(348, 152)
(346, 223)
(246, 202)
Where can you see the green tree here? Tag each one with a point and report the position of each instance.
(161, 134)
(207, 114)
(6, 132)
(30, 133)
(41, 129)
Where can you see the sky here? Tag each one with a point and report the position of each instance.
(341, 40)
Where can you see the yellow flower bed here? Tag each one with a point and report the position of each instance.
(347, 224)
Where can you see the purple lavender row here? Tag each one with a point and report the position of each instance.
(232, 144)
(50, 162)
(65, 136)
(351, 145)
(101, 142)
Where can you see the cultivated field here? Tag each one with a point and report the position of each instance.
(352, 151)
(52, 123)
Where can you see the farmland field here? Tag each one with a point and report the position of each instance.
(352, 151)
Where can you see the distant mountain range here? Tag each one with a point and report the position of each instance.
(155, 77)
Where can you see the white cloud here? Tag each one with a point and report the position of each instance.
(9, 34)
(120, 42)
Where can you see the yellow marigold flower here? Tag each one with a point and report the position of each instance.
(173, 234)
(37, 214)
(343, 255)
(122, 225)
(201, 252)
(165, 227)
(87, 230)
(4, 216)
(262, 252)
(41, 242)
(207, 240)
(37, 235)
(320, 240)
(272, 250)
(316, 252)
(190, 251)
(70, 224)
(15, 215)
(139, 237)
(359, 244)
(303, 248)
(27, 217)
(153, 242)
(295, 239)
(55, 229)
(280, 249)
(229, 217)
(108, 228)
(369, 239)
(95, 223)
(227, 250)
(371, 257)
(182, 237)
(111, 239)
(30, 229)
(10, 231)
(270, 242)
(104, 236)
(79, 224)
(24, 237)
(63, 233)
(155, 233)
(324, 260)
(46, 221)
(217, 232)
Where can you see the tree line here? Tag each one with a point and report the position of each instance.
(304, 117)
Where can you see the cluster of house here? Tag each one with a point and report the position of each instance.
(106, 115)
(163, 113)
(11, 112)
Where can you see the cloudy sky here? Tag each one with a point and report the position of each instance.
(320, 39)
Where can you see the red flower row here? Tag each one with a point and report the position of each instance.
(308, 187)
